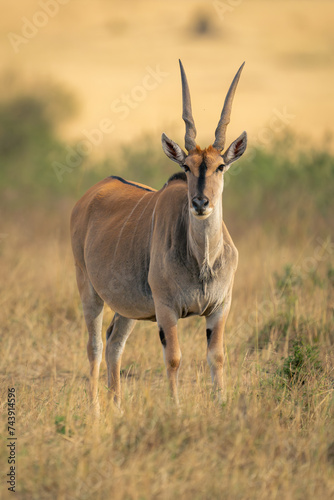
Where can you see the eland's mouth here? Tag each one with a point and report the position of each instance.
(201, 215)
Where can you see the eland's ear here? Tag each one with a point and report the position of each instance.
(236, 149)
(173, 150)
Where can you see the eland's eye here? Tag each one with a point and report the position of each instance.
(220, 168)
(186, 168)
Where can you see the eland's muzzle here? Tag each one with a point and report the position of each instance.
(200, 204)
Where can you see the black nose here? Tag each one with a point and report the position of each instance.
(200, 203)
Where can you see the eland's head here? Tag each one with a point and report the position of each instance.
(205, 168)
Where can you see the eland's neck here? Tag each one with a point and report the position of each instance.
(205, 239)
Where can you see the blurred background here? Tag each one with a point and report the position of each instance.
(71, 68)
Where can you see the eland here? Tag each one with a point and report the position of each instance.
(159, 255)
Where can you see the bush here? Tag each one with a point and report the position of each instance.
(302, 363)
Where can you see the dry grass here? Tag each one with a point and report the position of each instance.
(270, 440)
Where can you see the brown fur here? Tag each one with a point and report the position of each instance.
(210, 155)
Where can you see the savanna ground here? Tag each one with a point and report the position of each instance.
(274, 435)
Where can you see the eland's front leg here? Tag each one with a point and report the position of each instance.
(167, 323)
(215, 326)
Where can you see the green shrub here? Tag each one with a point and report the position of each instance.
(302, 363)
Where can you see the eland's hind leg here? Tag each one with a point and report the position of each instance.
(117, 334)
(92, 306)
